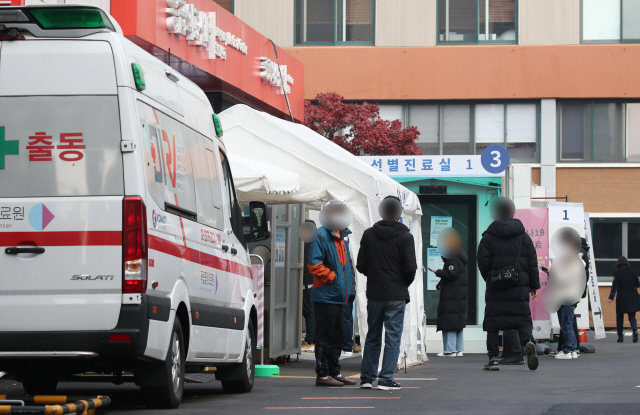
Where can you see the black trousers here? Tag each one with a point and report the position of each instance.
(329, 338)
(620, 321)
(309, 316)
(512, 338)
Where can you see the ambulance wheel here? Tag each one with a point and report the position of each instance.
(40, 383)
(171, 371)
(245, 384)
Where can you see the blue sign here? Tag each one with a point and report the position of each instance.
(495, 159)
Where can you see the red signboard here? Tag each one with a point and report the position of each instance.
(224, 53)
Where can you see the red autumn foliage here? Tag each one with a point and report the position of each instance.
(358, 127)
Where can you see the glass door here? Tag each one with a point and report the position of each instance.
(461, 213)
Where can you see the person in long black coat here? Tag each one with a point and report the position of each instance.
(507, 308)
(452, 307)
(625, 284)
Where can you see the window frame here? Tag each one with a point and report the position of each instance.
(620, 40)
(625, 243)
(592, 102)
(406, 121)
(335, 29)
(479, 42)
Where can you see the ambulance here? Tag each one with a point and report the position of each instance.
(122, 241)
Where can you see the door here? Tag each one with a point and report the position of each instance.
(285, 297)
(461, 213)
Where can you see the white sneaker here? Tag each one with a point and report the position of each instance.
(563, 356)
(459, 354)
(345, 355)
(574, 354)
(443, 354)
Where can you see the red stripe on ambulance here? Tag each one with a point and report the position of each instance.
(193, 255)
(68, 238)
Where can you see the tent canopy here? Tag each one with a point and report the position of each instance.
(326, 171)
(255, 176)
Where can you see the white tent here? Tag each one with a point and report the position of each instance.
(327, 172)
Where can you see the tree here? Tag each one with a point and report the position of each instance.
(358, 128)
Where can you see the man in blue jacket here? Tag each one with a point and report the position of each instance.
(330, 264)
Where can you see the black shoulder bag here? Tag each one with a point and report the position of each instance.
(508, 276)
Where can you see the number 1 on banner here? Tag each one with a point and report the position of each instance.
(565, 215)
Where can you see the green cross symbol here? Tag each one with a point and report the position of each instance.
(7, 148)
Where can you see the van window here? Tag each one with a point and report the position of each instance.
(208, 194)
(235, 213)
(167, 157)
(229, 191)
(60, 146)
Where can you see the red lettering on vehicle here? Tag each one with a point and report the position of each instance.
(211, 237)
(171, 157)
(71, 147)
(40, 146)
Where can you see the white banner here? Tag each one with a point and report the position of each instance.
(570, 215)
(594, 292)
(429, 166)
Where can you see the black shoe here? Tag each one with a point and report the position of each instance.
(388, 386)
(620, 338)
(492, 365)
(532, 356)
(513, 360)
(635, 337)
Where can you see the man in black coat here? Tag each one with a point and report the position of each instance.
(387, 257)
(505, 244)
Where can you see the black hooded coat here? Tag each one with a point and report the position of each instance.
(453, 293)
(508, 308)
(387, 257)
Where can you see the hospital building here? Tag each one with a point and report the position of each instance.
(554, 81)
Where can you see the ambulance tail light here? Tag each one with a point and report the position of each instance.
(134, 245)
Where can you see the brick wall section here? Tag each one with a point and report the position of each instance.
(611, 190)
(535, 175)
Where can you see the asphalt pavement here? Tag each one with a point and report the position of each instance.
(602, 383)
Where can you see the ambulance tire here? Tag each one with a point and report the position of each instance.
(245, 384)
(172, 372)
(39, 383)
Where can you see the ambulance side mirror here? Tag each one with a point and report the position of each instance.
(258, 222)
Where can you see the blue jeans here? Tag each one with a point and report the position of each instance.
(453, 341)
(565, 316)
(391, 315)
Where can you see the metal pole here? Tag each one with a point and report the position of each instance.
(446, 33)
(486, 19)
(261, 348)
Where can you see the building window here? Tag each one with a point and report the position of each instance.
(226, 4)
(614, 238)
(593, 131)
(477, 21)
(470, 128)
(610, 21)
(335, 22)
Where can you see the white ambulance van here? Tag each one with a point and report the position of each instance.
(121, 237)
